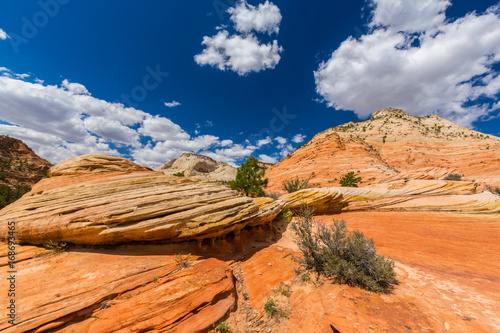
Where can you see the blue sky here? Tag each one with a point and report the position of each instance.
(150, 80)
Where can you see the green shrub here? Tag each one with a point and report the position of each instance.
(294, 185)
(222, 327)
(284, 289)
(286, 215)
(183, 262)
(350, 180)
(347, 258)
(493, 189)
(179, 174)
(270, 308)
(454, 176)
(55, 246)
(305, 278)
(249, 179)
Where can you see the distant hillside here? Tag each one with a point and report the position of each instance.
(20, 168)
(390, 145)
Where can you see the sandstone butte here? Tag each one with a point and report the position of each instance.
(128, 224)
(392, 145)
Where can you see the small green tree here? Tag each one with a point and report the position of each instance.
(294, 185)
(249, 179)
(350, 180)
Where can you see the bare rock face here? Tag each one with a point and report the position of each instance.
(390, 144)
(94, 163)
(106, 207)
(19, 164)
(413, 195)
(203, 167)
(86, 291)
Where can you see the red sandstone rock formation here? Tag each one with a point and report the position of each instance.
(389, 145)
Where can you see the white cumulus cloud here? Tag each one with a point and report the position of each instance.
(417, 61)
(410, 16)
(298, 138)
(244, 53)
(267, 159)
(264, 18)
(264, 142)
(241, 54)
(3, 35)
(60, 122)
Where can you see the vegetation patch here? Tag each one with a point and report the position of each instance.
(249, 179)
(295, 185)
(222, 327)
(54, 246)
(493, 189)
(183, 261)
(9, 195)
(179, 174)
(454, 177)
(346, 258)
(350, 180)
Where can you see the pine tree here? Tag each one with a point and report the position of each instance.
(350, 180)
(249, 179)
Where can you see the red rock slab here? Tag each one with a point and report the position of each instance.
(75, 287)
(188, 301)
(458, 245)
(449, 269)
(265, 270)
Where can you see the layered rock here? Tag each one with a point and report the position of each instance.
(392, 142)
(93, 163)
(412, 195)
(204, 167)
(19, 164)
(120, 207)
(86, 291)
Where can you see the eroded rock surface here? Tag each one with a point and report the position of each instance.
(412, 195)
(118, 292)
(120, 207)
(94, 163)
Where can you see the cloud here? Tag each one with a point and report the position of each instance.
(75, 88)
(241, 54)
(226, 143)
(3, 35)
(60, 122)
(267, 159)
(444, 69)
(285, 150)
(281, 140)
(298, 138)
(409, 16)
(264, 18)
(244, 53)
(172, 104)
(264, 142)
